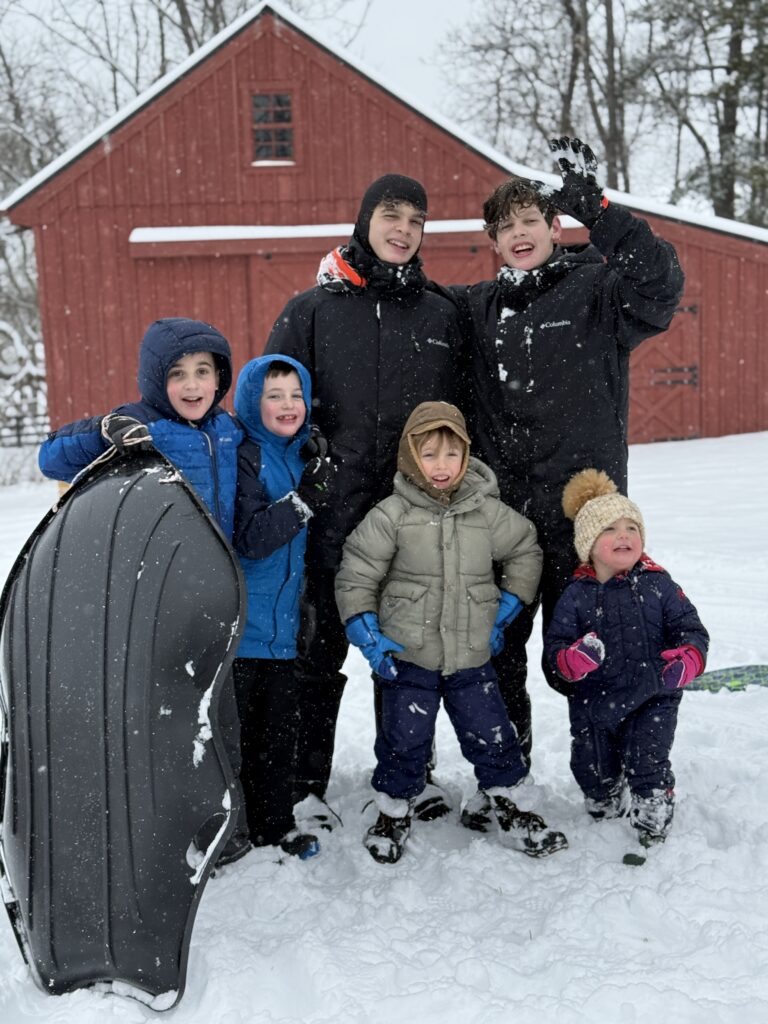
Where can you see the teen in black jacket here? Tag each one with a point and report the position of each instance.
(550, 342)
(376, 343)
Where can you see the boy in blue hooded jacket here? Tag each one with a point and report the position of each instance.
(283, 476)
(180, 413)
(185, 370)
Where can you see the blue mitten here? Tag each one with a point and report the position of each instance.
(363, 631)
(509, 608)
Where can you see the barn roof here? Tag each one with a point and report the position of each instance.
(130, 110)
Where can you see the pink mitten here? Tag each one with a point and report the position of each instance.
(583, 656)
(684, 664)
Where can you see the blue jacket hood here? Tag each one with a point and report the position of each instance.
(248, 391)
(164, 343)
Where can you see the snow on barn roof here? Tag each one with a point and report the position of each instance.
(93, 138)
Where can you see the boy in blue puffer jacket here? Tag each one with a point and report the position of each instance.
(179, 412)
(626, 640)
(185, 370)
(283, 477)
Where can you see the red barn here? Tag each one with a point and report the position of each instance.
(214, 193)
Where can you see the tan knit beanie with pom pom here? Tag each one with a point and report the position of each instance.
(592, 501)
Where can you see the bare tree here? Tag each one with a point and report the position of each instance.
(512, 73)
(31, 135)
(524, 72)
(706, 68)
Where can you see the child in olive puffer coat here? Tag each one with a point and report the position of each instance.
(417, 594)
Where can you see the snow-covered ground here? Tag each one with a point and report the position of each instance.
(462, 931)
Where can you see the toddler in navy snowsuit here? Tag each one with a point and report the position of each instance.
(626, 640)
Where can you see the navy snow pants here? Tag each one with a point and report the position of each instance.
(636, 747)
(409, 706)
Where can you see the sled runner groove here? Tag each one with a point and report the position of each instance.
(119, 618)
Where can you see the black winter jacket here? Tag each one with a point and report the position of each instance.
(550, 365)
(637, 615)
(372, 357)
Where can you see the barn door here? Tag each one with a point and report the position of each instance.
(273, 278)
(665, 394)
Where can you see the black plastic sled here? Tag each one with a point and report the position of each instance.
(120, 620)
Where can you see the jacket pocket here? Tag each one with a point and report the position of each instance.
(402, 611)
(483, 607)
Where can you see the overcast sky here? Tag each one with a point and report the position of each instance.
(400, 39)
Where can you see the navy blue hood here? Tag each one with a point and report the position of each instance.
(248, 391)
(164, 343)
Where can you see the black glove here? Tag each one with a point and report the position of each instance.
(125, 432)
(315, 445)
(580, 196)
(315, 483)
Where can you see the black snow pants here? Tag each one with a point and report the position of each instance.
(267, 701)
(323, 649)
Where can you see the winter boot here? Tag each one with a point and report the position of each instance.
(652, 815)
(615, 805)
(299, 844)
(235, 848)
(477, 813)
(432, 802)
(313, 814)
(524, 830)
(385, 840)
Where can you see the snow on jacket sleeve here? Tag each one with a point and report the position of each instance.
(514, 545)
(682, 624)
(647, 280)
(365, 561)
(262, 525)
(68, 450)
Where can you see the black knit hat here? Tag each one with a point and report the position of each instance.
(396, 187)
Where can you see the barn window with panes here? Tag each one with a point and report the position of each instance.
(272, 117)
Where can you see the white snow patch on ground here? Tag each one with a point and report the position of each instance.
(462, 931)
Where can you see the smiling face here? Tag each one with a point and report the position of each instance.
(441, 457)
(395, 231)
(282, 405)
(191, 385)
(524, 240)
(616, 549)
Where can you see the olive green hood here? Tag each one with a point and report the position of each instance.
(425, 418)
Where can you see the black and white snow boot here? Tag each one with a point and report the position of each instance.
(300, 844)
(385, 840)
(524, 830)
(236, 847)
(477, 813)
(313, 814)
(652, 816)
(432, 802)
(614, 805)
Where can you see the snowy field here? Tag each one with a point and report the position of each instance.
(462, 931)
